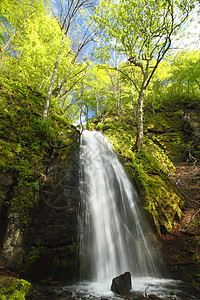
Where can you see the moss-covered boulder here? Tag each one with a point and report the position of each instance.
(12, 288)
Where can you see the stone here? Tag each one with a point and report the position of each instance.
(152, 296)
(14, 288)
(122, 284)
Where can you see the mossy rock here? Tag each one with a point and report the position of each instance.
(149, 169)
(103, 127)
(13, 288)
(12, 295)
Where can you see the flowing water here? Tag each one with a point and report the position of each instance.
(114, 234)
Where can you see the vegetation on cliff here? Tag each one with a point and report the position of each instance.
(42, 61)
(28, 144)
(170, 139)
(29, 149)
(150, 168)
(13, 288)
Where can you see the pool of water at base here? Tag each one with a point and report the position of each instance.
(142, 288)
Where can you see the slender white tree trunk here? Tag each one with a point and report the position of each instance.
(53, 76)
(132, 92)
(139, 115)
(139, 119)
(118, 97)
(97, 100)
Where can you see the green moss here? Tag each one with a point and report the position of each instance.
(171, 132)
(28, 143)
(13, 288)
(150, 168)
(12, 295)
(33, 254)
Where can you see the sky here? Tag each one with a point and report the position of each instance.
(191, 40)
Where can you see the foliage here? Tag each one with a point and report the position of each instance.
(27, 143)
(98, 90)
(145, 41)
(67, 13)
(33, 51)
(13, 288)
(14, 16)
(150, 168)
(176, 81)
(38, 47)
(31, 41)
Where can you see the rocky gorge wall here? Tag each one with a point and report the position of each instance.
(46, 248)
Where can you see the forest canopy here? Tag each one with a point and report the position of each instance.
(89, 57)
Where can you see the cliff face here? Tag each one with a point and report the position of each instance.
(171, 136)
(51, 240)
(38, 186)
(149, 169)
(166, 172)
(47, 248)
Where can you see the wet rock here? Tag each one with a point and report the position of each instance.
(65, 294)
(13, 288)
(122, 284)
(51, 239)
(153, 296)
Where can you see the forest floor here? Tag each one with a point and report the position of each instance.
(181, 246)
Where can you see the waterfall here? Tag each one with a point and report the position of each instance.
(114, 234)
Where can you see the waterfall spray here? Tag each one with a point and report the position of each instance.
(114, 235)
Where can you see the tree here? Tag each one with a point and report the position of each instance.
(36, 49)
(186, 68)
(14, 15)
(66, 13)
(92, 92)
(142, 31)
(176, 79)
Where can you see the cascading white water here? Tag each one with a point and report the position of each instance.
(114, 236)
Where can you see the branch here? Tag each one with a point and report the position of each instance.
(192, 218)
(136, 63)
(197, 83)
(69, 90)
(126, 75)
(61, 147)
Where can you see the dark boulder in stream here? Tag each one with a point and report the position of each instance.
(122, 284)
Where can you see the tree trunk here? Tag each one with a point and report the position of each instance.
(53, 76)
(97, 100)
(47, 103)
(118, 97)
(139, 115)
(139, 120)
(133, 98)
